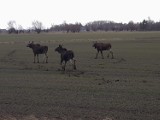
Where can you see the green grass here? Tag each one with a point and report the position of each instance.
(124, 88)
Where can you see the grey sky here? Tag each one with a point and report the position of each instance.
(24, 12)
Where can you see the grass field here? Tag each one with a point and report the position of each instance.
(124, 88)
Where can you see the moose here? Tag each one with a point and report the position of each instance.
(38, 49)
(101, 47)
(66, 55)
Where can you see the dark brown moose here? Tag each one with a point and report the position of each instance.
(66, 55)
(38, 49)
(101, 47)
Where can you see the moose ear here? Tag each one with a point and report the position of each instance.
(60, 45)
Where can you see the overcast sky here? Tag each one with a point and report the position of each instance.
(24, 12)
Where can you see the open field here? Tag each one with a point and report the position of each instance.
(124, 88)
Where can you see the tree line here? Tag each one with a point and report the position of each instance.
(37, 27)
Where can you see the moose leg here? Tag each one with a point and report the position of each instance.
(102, 55)
(37, 58)
(61, 62)
(46, 58)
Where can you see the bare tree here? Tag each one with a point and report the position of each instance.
(11, 24)
(12, 27)
(20, 29)
(37, 26)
